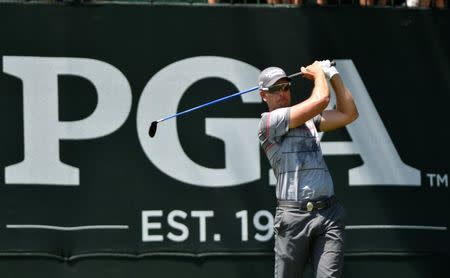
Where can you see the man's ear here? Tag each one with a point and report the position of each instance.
(263, 95)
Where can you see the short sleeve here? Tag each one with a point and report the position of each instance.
(274, 124)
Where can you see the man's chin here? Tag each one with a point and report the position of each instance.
(283, 105)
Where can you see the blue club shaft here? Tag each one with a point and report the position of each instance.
(154, 125)
(208, 103)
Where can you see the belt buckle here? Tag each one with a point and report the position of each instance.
(309, 206)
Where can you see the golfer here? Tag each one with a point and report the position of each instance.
(309, 221)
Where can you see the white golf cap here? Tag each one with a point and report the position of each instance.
(270, 76)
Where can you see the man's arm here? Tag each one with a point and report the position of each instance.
(317, 102)
(345, 111)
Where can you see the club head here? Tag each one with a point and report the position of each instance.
(152, 129)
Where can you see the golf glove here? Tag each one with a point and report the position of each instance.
(328, 69)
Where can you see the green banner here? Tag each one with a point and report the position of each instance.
(79, 87)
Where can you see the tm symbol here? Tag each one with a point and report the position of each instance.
(438, 180)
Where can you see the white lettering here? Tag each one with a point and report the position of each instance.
(202, 215)
(43, 130)
(177, 225)
(146, 225)
(161, 97)
(431, 177)
(442, 180)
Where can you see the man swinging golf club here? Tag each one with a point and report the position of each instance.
(309, 220)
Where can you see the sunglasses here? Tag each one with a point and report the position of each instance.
(279, 87)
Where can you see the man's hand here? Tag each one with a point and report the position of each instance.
(313, 71)
(328, 69)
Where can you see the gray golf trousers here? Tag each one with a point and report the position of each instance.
(317, 237)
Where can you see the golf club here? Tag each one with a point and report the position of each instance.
(154, 125)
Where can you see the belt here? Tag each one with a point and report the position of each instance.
(309, 205)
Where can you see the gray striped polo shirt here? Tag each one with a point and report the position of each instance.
(295, 156)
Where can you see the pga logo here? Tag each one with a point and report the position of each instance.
(42, 164)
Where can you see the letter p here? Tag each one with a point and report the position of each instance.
(42, 128)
